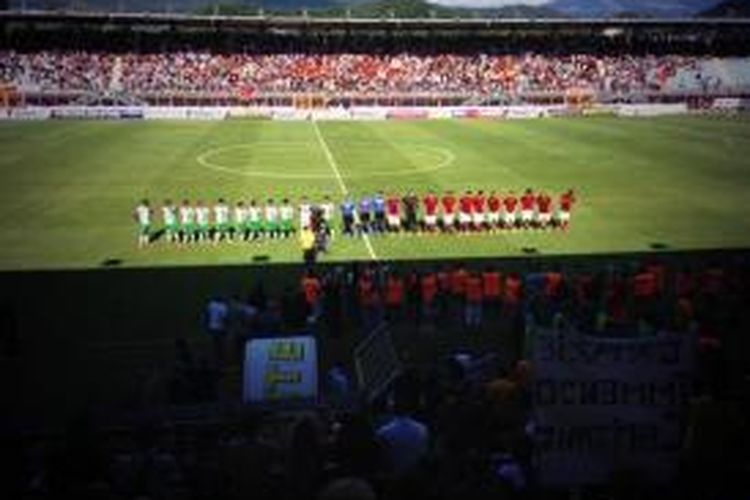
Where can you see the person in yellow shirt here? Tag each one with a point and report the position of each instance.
(307, 243)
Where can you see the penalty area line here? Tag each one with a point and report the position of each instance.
(340, 179)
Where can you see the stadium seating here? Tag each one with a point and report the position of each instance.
(209, 74)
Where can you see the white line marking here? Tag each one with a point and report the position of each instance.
(271, 171)
(329, 157)
(344, 190)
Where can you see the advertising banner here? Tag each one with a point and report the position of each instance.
(406, 114)
(651, 109)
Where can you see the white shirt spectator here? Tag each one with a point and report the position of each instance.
(406, 442)
(217, 312)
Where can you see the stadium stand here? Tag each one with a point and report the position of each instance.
(140, 62)
(141, 75)
(474, 413)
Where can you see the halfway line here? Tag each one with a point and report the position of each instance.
(340, 179)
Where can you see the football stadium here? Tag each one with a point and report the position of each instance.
(374, 250)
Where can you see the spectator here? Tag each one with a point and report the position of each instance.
(271, 320)
(312, 288)
(357, 450)
(304, 462)
(491, 288)
(483, 72)
(429, 290)
(369, 301)
(394, 296)
(217, 313)
(240, 320)
(333, 303)
(474, 299)
(512, 295)
(458, 290)
(338, 385)
(405, 440)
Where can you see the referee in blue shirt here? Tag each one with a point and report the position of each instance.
(347, 214)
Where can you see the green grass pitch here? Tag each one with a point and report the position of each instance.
(68, 188)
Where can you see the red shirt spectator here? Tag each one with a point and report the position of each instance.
(474, 292)
(444, 281)
(394, 291)
(513, 289)
(311, 288)
(645, 285)
(458, 281)
(366, 291)
(429, 288)
(553, 283)
(491, 284)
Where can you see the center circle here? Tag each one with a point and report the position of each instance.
(261, 159)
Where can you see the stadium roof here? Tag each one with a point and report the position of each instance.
(300, 22)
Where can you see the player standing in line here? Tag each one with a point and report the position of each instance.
(365, 212)
(142, 215)
(347, 216)
(221, 221)
(527, 208)
(286, 214)
(567, 199)
(187, 222)
(169, 215)
(479, 204)
(510, 203)
(493, 211)
(411, 205)
(202, 218)
(449, 211)
(378, 208)
(430, 211)
(393, 213)
(305, 213)
(272, 219)
(240, 222)
(328, 209)
(544, 204)
(465, 206)
(254, 221)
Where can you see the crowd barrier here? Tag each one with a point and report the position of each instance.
(354, 113)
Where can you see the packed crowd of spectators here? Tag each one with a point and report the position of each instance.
(246, 74)
(454, 427)
(635, 298)
(440, 432)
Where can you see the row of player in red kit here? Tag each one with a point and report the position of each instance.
(477, 210)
